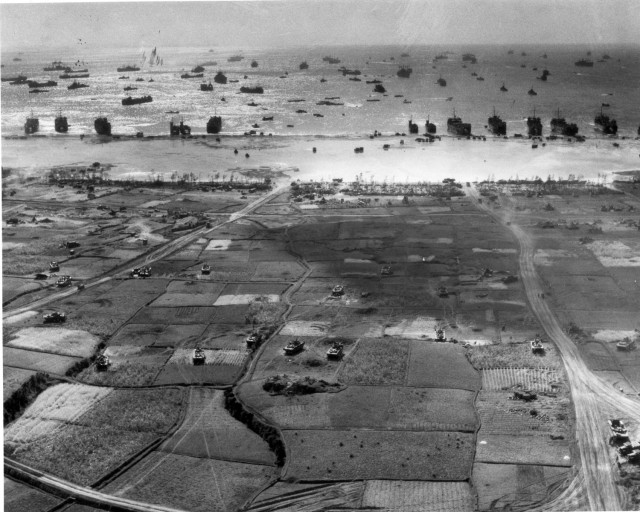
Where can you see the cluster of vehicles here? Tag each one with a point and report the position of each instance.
(140, 272)
(620, 439)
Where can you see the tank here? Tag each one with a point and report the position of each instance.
(294, 347)
(199, 356)
(336, 351)
(55, 317)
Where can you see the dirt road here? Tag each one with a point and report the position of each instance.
(591, 396)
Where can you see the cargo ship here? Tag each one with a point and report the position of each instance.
(252, 90)
(235, 58)
(48, 83)
(404, 72)
(76, 85)
(304, 65)
(496, 125)
(534, 125)
(206, 87)
(455, 126)
(331, 60)
(128, 68)
(136, 101)
(57, 65)
(214, 125)
(69, 76)
(469, 57)
(430, 127)
(605, 124)
(560, 125)
(197, 69)
(102, 126)
(220, 78)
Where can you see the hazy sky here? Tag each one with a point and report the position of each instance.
(318, 22)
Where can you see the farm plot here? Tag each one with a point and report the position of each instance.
(278, 271)
(176, 316)
(13, 286)
(514, 355)
(519, 487)
(137, 410)
(535, 379)
(615, 253)
(52, 409)
(59, 341)
(546, 416)
(306, 328)
(599, 357)
(511, 449)
(440, 365)
(584, 292)
(19, 497)
(315, 231)
(85, 267)
(257, 255)
(130, 366)
(412, 328)
(189, 293)
(223, 336)
(38, 361)
(309, 497)
(369, 454)
(209, 431)
(13, 379)
(81, 454)
(221, 367)
(403, 496)
(172, 268)
(312, 361)
(377, 362)
(159, 335)
(246, 293)
(205, 485)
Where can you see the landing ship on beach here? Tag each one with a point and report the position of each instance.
(32, 125)
(404, 72)
(61, 124)
(560, 125)
(214, 125)
(496, 125)
(605, 124)
(102, 126)
(534, 125)
(455, 126)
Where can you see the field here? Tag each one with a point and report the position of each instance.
(514, 449)
(60, 341)
(514, 355)
(37, 361)
(401, 496)
(538, 379)
(377, 362)
(12, 379)
(208, 431)
(189, 293)
(442, 365)
(159, 335)
(309, 497)
(19, 497)
(519, 486)
(361, 407)
(205, 485)
(181, 315)
(370, 454)
(221, 367)
(130, 366)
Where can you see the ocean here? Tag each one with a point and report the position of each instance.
(578, 92)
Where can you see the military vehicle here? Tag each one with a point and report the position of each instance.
(253, 340)
(525, 395)
(536, 345)
(64, 281)
(294, 347)
(54, 266)
(140, 272)
(626, 344)
(336, 351)
(102, 362)
(386, 270)
(440, 334)
(337, 290)
(198, 356)
(443, 292)
(206, 269)
(57, 317)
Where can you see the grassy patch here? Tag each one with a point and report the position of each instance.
(513, 355)
(377, 362)
(20, 399)
(128, 374)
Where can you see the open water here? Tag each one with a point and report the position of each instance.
(578, 92)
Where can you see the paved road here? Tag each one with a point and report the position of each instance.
(593, 398)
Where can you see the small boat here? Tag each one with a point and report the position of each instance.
(267, 118)
(304, 65)
(36, 91)
(235, 58)
(67, 76)
(48, 83)
(254, 64)
(584, 63)
(531, 92)
(123, 77)
(323, 79)
(130, 88)
(128, 67)
(252, 90)
(379, 88)
(441, 82)
(294, 347)
(503, 88)
(197, 69)
(331, 60)
(206, 87)
(195, 75)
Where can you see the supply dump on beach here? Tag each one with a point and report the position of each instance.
(326, 277)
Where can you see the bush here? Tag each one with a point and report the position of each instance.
(15, 405)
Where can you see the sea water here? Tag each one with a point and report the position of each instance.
(578, 92)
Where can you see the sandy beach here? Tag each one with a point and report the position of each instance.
(466, 160)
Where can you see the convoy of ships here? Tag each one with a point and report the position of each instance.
(455, 125)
